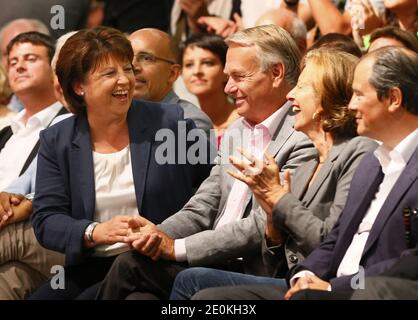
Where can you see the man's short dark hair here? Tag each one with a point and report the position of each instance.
(36, 38)
(396, 67)
(408, 39)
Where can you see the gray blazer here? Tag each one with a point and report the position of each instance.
(307, 215)
(201, 119)
(196, 221)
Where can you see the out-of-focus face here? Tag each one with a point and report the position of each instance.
(29, 68)
(384, 42)
(398, 4)
(251, 87)
(203, 72)
(8, 34)
(109, 88)
(305, 101)
(371, 114)
(154, 76)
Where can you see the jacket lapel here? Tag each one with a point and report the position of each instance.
(323, 173)
(407, 177)
(283, 132)
(140, 137)
(301, 178)
(365, 190)
(82, 165)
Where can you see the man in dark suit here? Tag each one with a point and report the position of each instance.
(379, 221)
(399, 282)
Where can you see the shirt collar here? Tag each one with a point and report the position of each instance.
(400, 154)
(272, 122)
(42, 118)
(169, 97)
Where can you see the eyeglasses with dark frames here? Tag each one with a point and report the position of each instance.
(149, 58)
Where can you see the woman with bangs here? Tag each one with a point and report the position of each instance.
(302, 210)
(100, 169)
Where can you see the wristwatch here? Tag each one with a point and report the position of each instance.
(89, 231)
(30, 196)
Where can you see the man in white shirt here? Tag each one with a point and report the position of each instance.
(380, 220)
(220, 223)
(31, 79)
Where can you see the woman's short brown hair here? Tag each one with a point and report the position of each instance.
(82, 53)
(332, 81)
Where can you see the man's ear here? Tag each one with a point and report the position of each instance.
(395, 99)
(277, 71)
(175, 70)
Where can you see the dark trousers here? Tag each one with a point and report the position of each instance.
(81, 282)
(134, 276)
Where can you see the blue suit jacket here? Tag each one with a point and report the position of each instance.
(65, 191)
(387, 238)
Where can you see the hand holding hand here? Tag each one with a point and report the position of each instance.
(150, 240)
(8, 202)
(307, 282)
(112, 231)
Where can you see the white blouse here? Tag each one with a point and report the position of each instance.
(115, 190)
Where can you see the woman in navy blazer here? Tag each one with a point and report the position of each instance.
(77, 207)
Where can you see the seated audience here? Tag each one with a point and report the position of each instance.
(203, 62)
(301, 211)
(101, 168)
(222, 222)
(377, 223)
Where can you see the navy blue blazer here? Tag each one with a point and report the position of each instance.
(64, 201)
(387, 239)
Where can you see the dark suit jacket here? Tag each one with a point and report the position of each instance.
(386, 240)
(65, 192)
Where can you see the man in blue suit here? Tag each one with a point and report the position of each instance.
(380, 220)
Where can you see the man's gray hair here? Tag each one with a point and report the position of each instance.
(396, 67)
(273, 45)
(37, 26)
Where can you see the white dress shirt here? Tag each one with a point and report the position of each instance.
(18, 148)
(256, 140)
(393, 162)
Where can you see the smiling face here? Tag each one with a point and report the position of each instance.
(305, 101)
(109, 87)
(202, 71)
(371, 114)
(254, 90)
(154, 78)
(29, 68)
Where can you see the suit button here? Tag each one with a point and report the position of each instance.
(293, 258)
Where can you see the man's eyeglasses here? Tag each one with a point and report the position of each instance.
(148, 58)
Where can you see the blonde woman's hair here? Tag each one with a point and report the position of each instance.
(332, 80)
